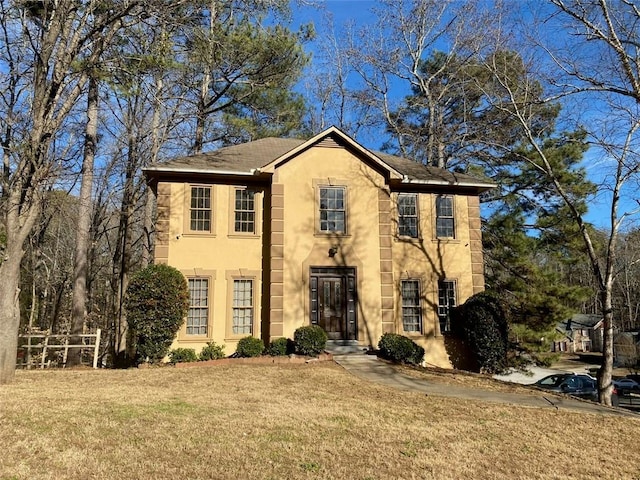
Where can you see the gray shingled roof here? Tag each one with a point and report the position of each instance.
(245, 157)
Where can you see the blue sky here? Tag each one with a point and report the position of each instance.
(359, 12)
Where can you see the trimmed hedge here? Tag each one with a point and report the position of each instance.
(279, 347)
(310, 340)
(183, 355)
(156, 302)
(211, 352)
(250, 347)
(398, 348)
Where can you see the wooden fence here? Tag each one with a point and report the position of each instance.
(32, 354)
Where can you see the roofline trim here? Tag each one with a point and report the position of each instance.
(407, 180)
(251, 173)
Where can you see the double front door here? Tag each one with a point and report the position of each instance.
(333, 301)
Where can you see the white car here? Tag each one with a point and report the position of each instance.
(626, 384)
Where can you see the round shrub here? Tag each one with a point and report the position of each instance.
(279, 347)
(250, 347)
(156, 303)
(310, 340)
(398, 348)
(211, 352)
(183, 355)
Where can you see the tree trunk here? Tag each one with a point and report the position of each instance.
(79, 300)
(605, 385)
(9, 312)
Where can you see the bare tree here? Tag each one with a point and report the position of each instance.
(45, 45)
(597, 58)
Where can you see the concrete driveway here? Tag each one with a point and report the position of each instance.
(370, 368)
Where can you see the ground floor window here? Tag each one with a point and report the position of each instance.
(198, 316)
(411, 312)
(446, 301)
(243, 307)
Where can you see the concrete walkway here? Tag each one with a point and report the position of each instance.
(370, 368)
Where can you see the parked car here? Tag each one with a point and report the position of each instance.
(626, 384)
(577, 385)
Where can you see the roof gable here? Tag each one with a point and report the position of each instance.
(262, 157)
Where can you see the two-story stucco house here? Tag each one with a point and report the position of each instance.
(279, 233)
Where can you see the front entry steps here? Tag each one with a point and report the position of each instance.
(345, 347)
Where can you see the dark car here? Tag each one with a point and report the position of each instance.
(575, 384)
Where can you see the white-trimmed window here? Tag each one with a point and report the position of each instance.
(198, 316)
(446, 301)
(200, 209)
(245, 211)
(408, 215)
(242, 307)
(411, 311)
(445, 221)
(333, 211)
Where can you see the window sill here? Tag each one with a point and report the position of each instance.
(446, 240)
(331, 235)
(253, 236)
(186, 338)
(198, 234)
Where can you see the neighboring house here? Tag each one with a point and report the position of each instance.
(279, 233)
(580, 333)
(626, 349)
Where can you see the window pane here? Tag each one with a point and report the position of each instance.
(446, 301)
(242, 307)
(245, 215)
(411, 312)
(200, 209)
(198, 316)
(332, 209)
(445, 226)
(408, 215)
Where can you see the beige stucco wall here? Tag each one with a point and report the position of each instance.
(305, 247)
(220, 256)
(371, 245)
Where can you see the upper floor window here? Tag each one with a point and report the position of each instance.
(446, 301)
(445, 225)
(242, 307)
(200, 209)
(411, 312)
(245, 211)
(332, 209)
(198, 316)
(408, 215)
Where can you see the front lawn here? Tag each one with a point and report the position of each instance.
(288, 422)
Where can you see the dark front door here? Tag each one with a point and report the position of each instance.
(333, 299)
(331, 307)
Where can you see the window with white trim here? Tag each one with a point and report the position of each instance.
(245, 211)
(333, 209)
(200, 209)
(446, 301)
(445, 224)
(242, 307)
(411, 311)
(198, 316)
(408, 215)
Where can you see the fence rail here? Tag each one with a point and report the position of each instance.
(60, 341)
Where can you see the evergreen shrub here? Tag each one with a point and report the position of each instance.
(156, 303)
(481, 322)
(211, 351)
(310, 340)
(250, 347)
(183, 355)
(279, 347)
(401, 349)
